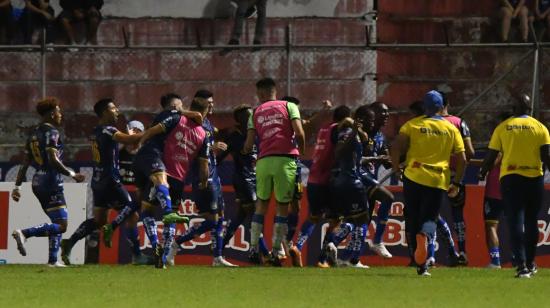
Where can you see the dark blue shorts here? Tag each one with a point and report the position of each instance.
(492, 209)
(208, 200)
(245, 189)
(147, 162)
(52, 202)
(349, 196)
(318, 198)
(109, 193)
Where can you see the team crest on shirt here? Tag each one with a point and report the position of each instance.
(261, 119)
(179, 136)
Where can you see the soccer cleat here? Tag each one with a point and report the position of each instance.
(254, 258)
(343, 263)
(275, 260)
(493, 266)
(421, 252)
(159, 262)
(533, 269)
(462, 259)
(221, 261)
(359, 265)
(430, 262)
(66, 251)
(108, 235)
(296, 256)
(57, 264)
(174, 218)
(322, 265)
(453, 260)
(142, 260)
(332, 253)
(20, 239)
(523, 273)
(423, 271)
(281, 253)
(380, 249)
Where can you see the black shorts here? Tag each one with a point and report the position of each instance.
(492, 209)
(147, 162)
(109, 193)
(348, 195)
(318, 198)
(245, 189)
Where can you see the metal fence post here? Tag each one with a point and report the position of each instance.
(43, 63)
(535, 102)
(288, 44)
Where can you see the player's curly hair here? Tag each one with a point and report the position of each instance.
(47, 105)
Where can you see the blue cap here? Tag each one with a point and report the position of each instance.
(433, 100)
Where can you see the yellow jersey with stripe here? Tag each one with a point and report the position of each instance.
(519, 139)
(432, 141)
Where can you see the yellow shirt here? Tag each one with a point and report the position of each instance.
(432, 140)
(519, 139)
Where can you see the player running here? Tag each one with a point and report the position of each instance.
(44, 150)
(108, 190)
(525, 144)
(278, 126)
(428, 143)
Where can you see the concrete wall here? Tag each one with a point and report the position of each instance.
(223, 8)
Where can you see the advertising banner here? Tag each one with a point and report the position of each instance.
(27, 213)
(197, 251)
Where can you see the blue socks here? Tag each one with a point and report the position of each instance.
(53, 240)
(494, 253)
(194, 230)
(445, 232)
(305, 233)
(150, 226)
(342, 233)
(358, 247)
(42, 230)
(381, 219)
(216, 235)
(86, 227)
(128, 210)
(162, 194)
(168, 233)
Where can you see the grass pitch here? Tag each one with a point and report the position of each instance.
(197, 286)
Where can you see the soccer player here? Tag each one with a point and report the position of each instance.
(128, 152)
(350, 187)
(428, 143)
(281, 139)
(149, 169)
(244, 176)
(209, 198)
(377, 155)
(525, 144)
(108, 190)
(318, 187)
(186, 143)
(458, 202)
(44, 150)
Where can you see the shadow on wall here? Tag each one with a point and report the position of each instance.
(219, 9)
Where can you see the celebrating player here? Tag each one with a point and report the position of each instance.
(44, 150)
(108, 190)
